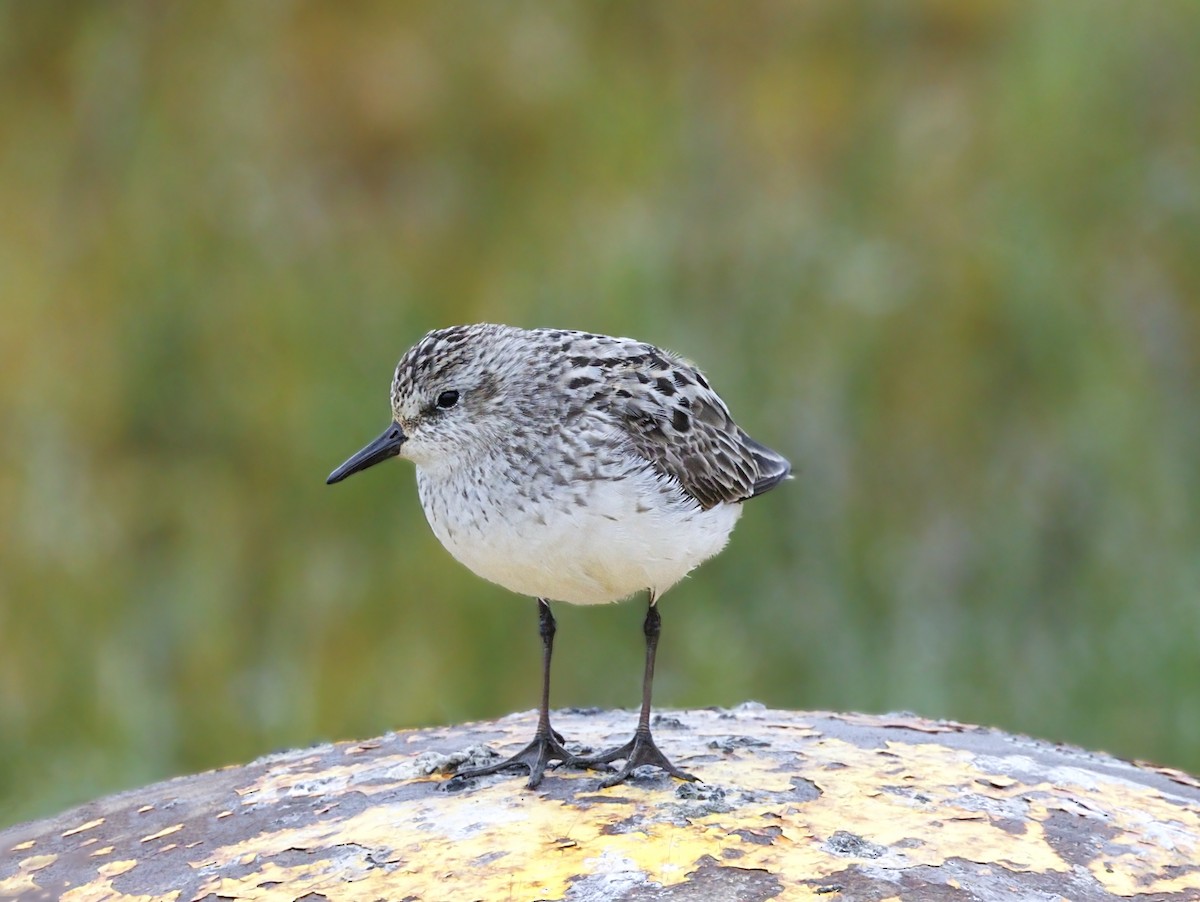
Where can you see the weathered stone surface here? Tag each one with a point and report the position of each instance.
(795, 805)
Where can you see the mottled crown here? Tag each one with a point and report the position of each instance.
(440, 352)
(477, 358)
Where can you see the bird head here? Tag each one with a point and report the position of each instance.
(452, 395)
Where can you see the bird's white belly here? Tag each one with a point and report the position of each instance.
(585, 545)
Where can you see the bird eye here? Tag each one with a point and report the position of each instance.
(447, 399)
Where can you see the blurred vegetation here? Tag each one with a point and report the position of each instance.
(945, 256)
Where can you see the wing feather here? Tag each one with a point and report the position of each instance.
(675, 421)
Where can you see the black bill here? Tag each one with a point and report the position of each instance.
(387, 445)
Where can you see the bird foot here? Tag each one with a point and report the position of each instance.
(535, 758)
(637, 752)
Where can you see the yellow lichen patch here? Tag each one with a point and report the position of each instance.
(88, 826)
(115, 868)
(166, 831)
(18, 886)
(1142, 867)
(1120, 876)
(745, 770)
(1120, 815)
(24, 880)
(103, 891)
(107, 850)
(22, 846)
(273, 882)
(37, 862)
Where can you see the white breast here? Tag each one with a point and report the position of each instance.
(586, 543)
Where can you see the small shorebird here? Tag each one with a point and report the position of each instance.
(570, 467)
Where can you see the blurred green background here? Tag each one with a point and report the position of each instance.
(945, 256)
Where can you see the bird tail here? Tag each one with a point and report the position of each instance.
(773, 467)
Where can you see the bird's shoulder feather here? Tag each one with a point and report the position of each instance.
(671, 417)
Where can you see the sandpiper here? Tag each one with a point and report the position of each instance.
(573, 467)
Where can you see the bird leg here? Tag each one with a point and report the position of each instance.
(547, 744)
(639, 750)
